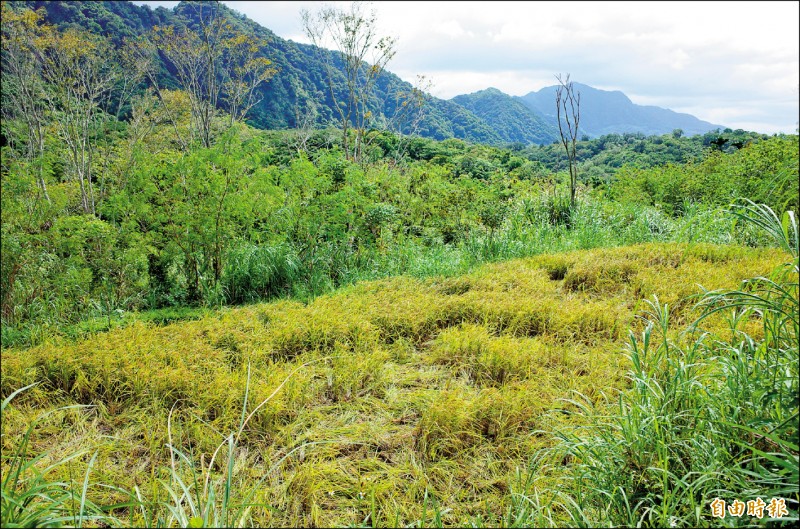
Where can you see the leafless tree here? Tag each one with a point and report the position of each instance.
(305, 118)
(364, 55)
(409, 111)
(215, 66)
(568, 110)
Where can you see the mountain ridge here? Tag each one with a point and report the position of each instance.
(612, 111)
(508, 116)
(488, 116)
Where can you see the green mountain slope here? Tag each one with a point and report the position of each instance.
(488, 116)
(510, 118)
(301, 81)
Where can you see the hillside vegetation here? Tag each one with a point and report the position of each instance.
(252, 218)
(512, 120)
(298, 93)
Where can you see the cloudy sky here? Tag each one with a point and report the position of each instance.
(734, 64)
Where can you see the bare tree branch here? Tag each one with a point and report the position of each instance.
(568, 103)
(364, 56)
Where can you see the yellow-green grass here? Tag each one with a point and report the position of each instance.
(395, 389)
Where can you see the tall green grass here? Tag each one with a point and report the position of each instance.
(30, 498)
(707, 415)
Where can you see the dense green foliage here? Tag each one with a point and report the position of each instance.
(300, 91)
(512, 120)
(600, 158)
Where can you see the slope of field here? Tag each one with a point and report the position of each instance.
(377, 399)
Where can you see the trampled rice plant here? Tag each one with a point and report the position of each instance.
(30, 498)
(199, 496)
(439, 388)
(711, 413)
(194, 493)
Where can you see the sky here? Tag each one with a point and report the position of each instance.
(735, 64)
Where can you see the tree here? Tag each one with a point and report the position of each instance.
(408, 112)
(568, 111)
(215, 66)
(144, 52)
(80, 74)
(305, 118)
(22, 83)
(363, 56)
(243, 72)
(134, 68)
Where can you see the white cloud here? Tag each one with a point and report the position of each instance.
(452, 29)
(449, 83)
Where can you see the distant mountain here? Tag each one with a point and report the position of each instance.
(488, 116)
(606, 112)
(509, 117)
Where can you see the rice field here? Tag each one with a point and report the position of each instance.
(394, 402)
